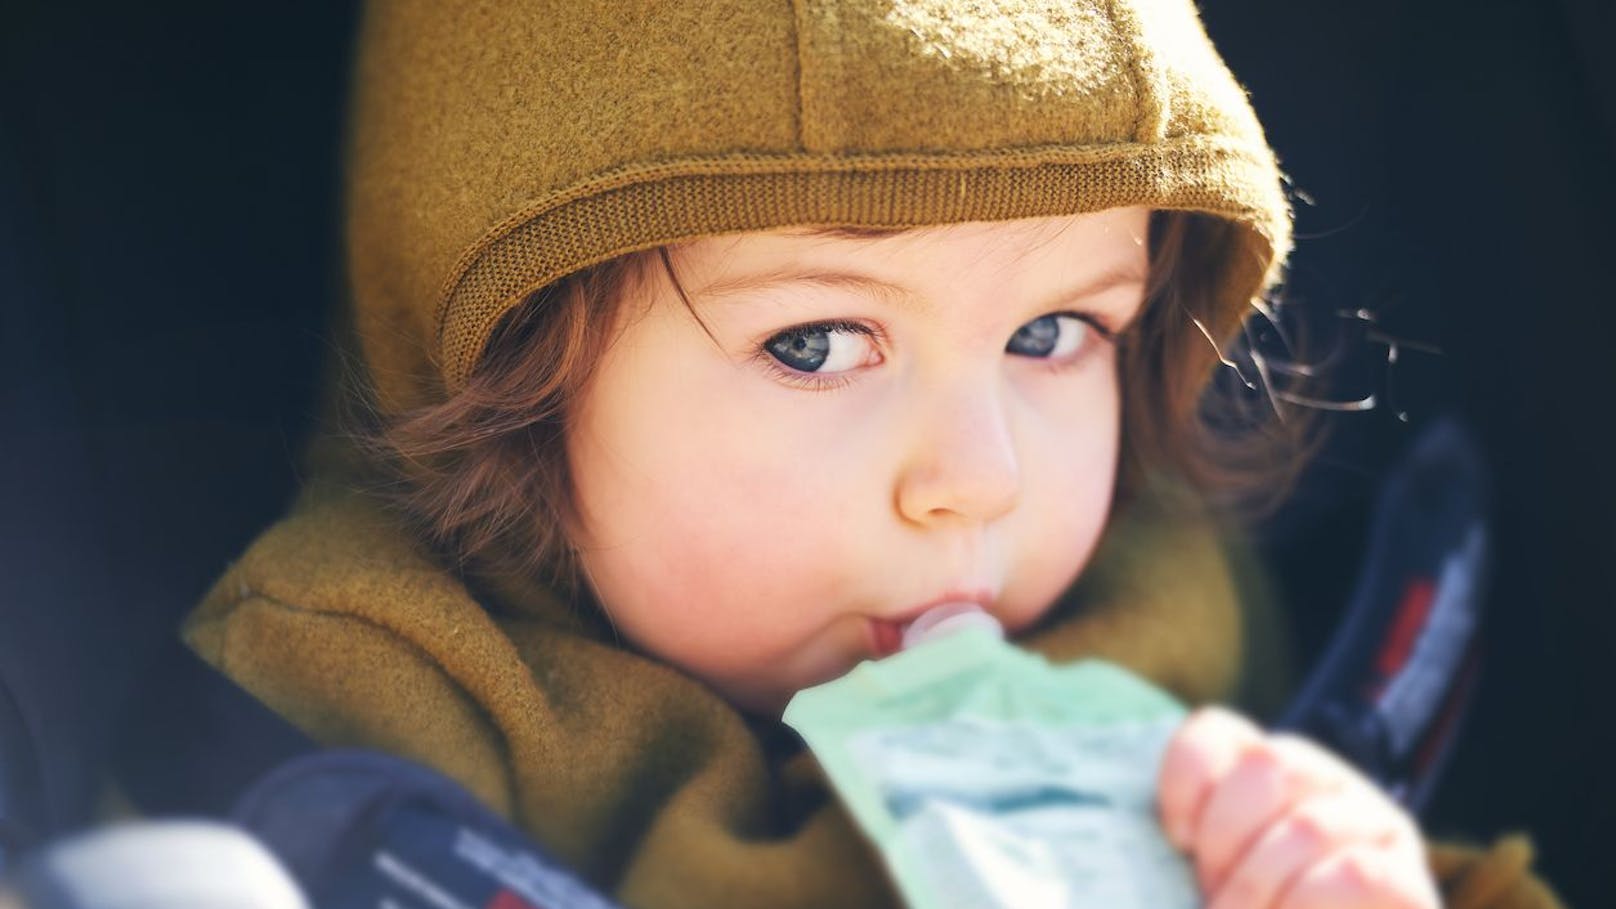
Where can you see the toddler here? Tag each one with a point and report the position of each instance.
(709, 343)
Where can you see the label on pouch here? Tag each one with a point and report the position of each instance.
(1002, 813)
(1004, 781)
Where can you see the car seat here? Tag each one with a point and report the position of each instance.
(166, 257)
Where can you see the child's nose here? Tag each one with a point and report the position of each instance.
(962, 464)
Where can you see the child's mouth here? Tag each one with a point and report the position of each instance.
(888, 637)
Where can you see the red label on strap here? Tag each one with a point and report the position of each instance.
(1417, 599)
(505, 899)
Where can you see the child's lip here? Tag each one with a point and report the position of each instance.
(887, 637)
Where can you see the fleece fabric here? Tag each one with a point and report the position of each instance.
(496, 146)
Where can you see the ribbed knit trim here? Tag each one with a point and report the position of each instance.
(645, 207)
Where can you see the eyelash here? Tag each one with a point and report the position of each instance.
(815, 382)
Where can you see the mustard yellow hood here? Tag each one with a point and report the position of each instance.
(498, 146)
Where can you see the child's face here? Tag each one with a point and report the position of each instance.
(873, 425)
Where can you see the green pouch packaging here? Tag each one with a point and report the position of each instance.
(989, 778)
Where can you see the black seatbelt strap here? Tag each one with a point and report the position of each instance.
(356, 829)
(1393, 688)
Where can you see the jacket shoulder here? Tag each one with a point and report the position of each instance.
(1492, 877)
(340, 623)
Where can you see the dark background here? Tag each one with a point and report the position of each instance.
(168, 185)
(1460, 156)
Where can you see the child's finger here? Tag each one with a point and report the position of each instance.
(1198, 756)
(1268, 780)
(1364, 876)
(1314, 828)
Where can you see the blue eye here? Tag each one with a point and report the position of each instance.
(1054, 335)
(803, 349)
(826, 348)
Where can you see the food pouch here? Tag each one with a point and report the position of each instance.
(988, 777)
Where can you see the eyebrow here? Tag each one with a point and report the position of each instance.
(895, 294)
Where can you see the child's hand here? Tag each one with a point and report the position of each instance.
(1277, 822)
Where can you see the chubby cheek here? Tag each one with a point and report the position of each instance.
(705, 531)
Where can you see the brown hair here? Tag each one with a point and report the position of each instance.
(1197, 406)
(484, 474)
